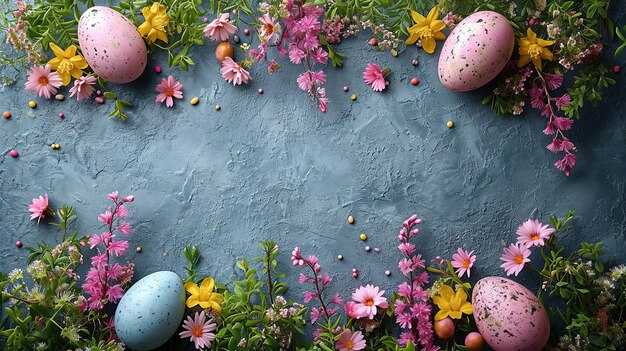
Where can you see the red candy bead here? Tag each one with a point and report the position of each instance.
(617, 69)
(415, 81)
(18, 243)
(14, 153)
(158, 69)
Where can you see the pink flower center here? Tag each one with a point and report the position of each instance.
(519, 259)
(43, 81)
(466, 263)
(268, 28)
(169, 92)
(349, 344)
(534, 236)
(369, 302)
(197, 331)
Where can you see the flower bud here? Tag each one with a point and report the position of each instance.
(129, 198)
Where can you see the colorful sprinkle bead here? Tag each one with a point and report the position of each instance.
(100, 100)
(14, 153)
(195, 101)
(617, 69)
(246, 31)
(139, 249)
(18, 244)
(61, 115)
(415, 81)
(218, 107)
(32, 104)
(367, 248)
(415, 62)
(363, 237)
(387, 273)
(157, 69)
(353, 97)
(353, 270)
(351, 219)
(376, 249)
(260, 91)
(355, 275)
(340, 257)
(59, 97)
(450, 124)
(345, 88)
(373, 42)
(7, 114)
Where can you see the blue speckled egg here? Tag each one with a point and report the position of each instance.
(150, 311)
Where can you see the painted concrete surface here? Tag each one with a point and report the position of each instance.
(273, 166)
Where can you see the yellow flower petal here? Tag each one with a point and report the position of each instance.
(532, 37)
(467, 308)
(441, 315)
(455, 314)
(547, 54)
(54, 63)
(417, 17)
(437, 25)
(192, 288)
(412, 38)
(144, 29)
(545, 43)
(429, 45)
(523, 61)
(537, 63)
(162, 36)
(446, 292)
(208, 284)
(57, 51)
(192, 301)
(442, 303)
(433, 14)
(79, 62)
(215, 306)
(439, 36)
(65, 77)
(219, 298)
(70, 51)
(205, 304)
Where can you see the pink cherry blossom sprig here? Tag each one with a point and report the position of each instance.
(556, 126)
(328, 310)
(106, 282)
(412, 309)
(294, 30)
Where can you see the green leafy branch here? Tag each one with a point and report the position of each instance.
(588, 86)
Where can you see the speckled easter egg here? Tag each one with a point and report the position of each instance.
(150, 311)
(509, 316)
(111, 45)
(476, 51)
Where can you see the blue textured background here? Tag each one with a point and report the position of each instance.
(273, 166)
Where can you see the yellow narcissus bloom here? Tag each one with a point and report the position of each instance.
(426, 29)
(156, 20)
(67, 63)
(534, 49)
(203, 295)
(451, 304)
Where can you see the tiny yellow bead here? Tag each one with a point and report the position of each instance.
(138, 249)
(340, 257)
(450, 124)
(363, 237)
(218, 107)
(353, 97)
(32, 104)
(351, 219)
(195, 101)
(394, 52)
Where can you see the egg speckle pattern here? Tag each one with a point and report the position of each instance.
(150, 311)
(111, 45)
(476, 51)
(509, 316)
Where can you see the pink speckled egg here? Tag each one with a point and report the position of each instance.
(509, 316)
(111, 45)
(476, 51)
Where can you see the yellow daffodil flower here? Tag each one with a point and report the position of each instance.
(203, 295)
(534, 49)
(426, 29)
(156, 20)
(67, 63)
(451, 304)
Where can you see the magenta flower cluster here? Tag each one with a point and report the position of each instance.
(105, 281)
(556, 125)
(412, 309)
(319, 282)
(298, 38)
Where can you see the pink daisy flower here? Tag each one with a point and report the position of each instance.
(368, 298)
(169, 89)
(43, 82)
(220, 29)
(463, 262)
(233, 73)
(533, 233)
(269, 30)
(375, 77)
(39, 208)
(514, 257)
(83, 87)
(199, 330)
(349, 341)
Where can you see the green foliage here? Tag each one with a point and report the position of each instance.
(255, 316)
(467, 7)
(592, 295)
(193, 257)
(588, 86)
(43, 307)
